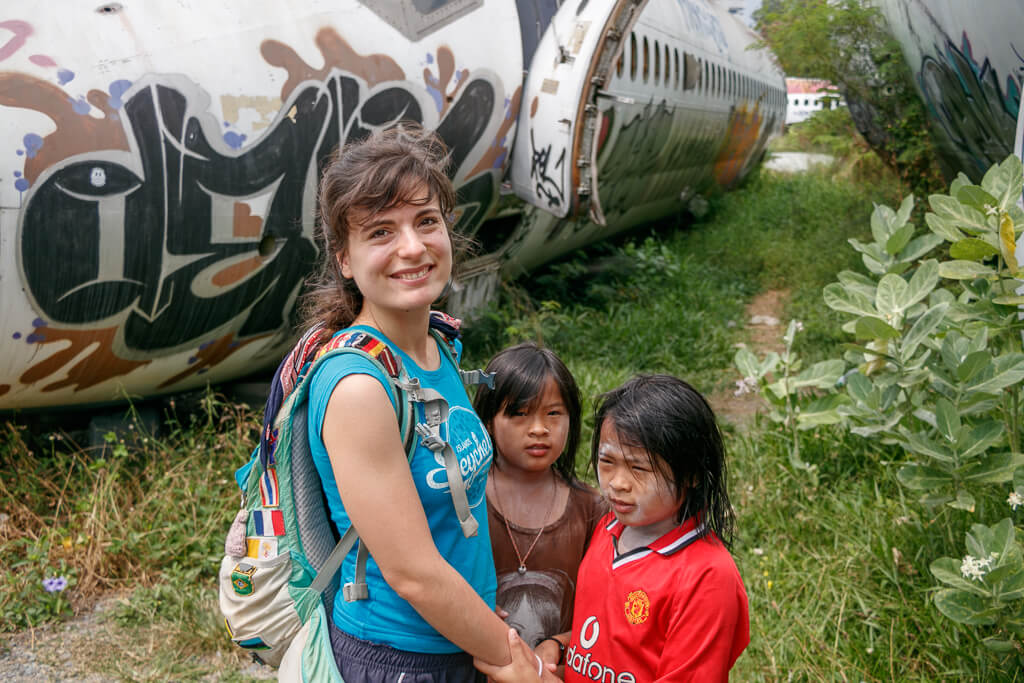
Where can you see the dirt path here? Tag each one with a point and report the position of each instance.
(765, 327)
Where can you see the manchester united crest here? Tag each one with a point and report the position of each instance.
(638, 607)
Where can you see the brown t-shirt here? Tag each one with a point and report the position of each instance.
(539, 601)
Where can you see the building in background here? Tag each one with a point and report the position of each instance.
(808, 95)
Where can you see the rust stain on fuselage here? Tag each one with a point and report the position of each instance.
(744, 128)
(337, 53)
(75, 133)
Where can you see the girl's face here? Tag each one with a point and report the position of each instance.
(639, 495)
(531, 439)
(400, 258)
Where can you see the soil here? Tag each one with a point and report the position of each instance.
(66, 651)
(764, 333)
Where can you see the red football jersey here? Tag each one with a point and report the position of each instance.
(673, 611)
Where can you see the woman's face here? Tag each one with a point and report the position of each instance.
(400, 258)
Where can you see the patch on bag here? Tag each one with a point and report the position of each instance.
(269, 491)
(268, 522)
(252, 644)
(261, 548)
(241, 579)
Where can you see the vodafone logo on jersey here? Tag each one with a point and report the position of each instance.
(588, 666)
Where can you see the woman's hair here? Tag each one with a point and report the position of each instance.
(520, 374)
(379, 172)
(670, 420)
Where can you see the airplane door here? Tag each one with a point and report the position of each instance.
(553, 156)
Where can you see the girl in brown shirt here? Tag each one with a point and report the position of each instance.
(540, 515)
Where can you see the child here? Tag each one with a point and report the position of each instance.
(659, 598)
(541, 516)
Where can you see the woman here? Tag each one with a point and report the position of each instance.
(385, 203)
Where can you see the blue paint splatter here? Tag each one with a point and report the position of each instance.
(17, 174)
(192, 359)
(21, 184)
(233, 345)
(205, 345)
(65, 76)
(430, 58)
(16, 335)
(39, 322)
(35, 339)
(20, 152)
(117, 89)
(500, 161)
(227, 124)
(201, 371)
(81, 106)
(32, 144)
(234, 140)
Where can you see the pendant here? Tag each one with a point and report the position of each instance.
(522, 569)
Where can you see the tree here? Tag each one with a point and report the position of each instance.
(847, 42)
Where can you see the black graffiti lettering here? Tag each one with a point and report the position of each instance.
(968, 102)
(548, 187)
(131, 237)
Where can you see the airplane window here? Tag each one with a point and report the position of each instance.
(632, 56)
(676, 50)
(668, 70)
(647, 60)
(618, 64)
(691, 72)
(657, 62)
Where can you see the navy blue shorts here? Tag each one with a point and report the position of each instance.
(361, 661)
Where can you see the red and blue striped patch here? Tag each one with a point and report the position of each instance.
(270, 495)
(268, 522)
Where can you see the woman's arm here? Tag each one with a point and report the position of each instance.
(369, 462)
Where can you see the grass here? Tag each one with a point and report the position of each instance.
(836, 568)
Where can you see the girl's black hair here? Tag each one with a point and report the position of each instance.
(520, 373)
(670, 420)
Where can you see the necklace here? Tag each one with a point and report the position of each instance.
(508, 528)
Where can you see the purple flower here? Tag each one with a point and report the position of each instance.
(55, 584)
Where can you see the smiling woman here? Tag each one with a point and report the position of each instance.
(426, 603)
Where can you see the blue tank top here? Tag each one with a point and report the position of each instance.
(385, 617)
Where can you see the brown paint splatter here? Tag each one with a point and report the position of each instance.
(98, 366)
(495, 151)
(211, 355)
(533, 106)
(445, 74)
(4, 388)
(739, 142)
(245, 224)
(75, 134)
(337, 53)
(236, 272)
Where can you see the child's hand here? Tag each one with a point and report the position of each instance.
(525, 665)
(549, 652)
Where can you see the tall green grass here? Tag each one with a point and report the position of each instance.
(836, 569)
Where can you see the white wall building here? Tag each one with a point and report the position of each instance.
(808, 95)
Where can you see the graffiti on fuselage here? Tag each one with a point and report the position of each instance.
(548, 186)
(647, 153)
(169, 236)
(977, 112)
(701, 21)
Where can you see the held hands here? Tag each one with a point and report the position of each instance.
(525, 665)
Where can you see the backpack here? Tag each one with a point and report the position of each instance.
(278, 577)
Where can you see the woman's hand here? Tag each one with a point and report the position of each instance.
(525, 665)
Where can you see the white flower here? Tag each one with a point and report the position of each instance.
(798, 326)
(1015, 500)
(904, 519)
(990, 210)
(758, 551)
(975, 567)
(746, 385)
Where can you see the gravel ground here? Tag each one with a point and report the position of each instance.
(66, 652)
